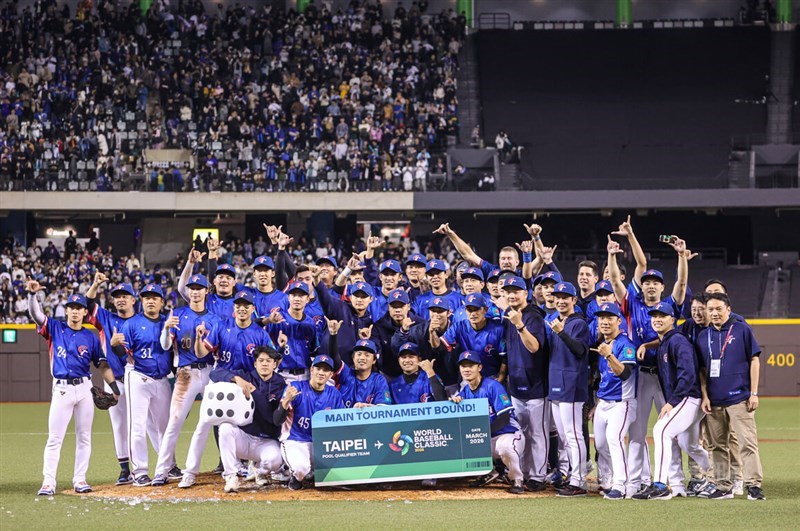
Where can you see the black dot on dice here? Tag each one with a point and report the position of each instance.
(220, 396)
(230, 397)
(247, 414)
(211, 396)
(252, 404)
(219, 413)
(210, 412)
(229, 412)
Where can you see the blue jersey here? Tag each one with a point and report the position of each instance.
(379, 305)
(488, 341)
(220, 306)
(373, 390)
(499, 403)
(71, 351)
(639, 327)
(414, 392)
(612, 387)
(302, 341)
(143, 336)
(492, 311)
(317, 314)
(236, 346)
(267, 302)
(297, 426)
(106, 322)
(184, 334)
(421, 303)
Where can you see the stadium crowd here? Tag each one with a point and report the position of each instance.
(356, 99)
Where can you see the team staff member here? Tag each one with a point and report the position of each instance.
(192, 375)
(729, 356)
(257, 441)
(587, 279)
(296, 408)
(146, 381)
(363, 385)
(616, 406)
(679, 418)
(507, 439)
(299, 332)
(72, 348)
(526, 355)
(419, 382)
(568, 378)
(508, 257)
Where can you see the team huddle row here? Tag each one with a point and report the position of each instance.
(547, 355)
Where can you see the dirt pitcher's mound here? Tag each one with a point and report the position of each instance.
(210, 487)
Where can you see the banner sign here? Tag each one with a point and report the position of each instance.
(401, 442)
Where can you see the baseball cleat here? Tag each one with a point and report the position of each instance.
(485, 480)
(243, 471)
(187, 480)
(281, 477)
(251, 472)
(46, 490)
(175, 473)
(261, 480)
(738, 488)
(706, 491)
(557, 479)
(535, 486)
(695, 486)
(159, 480)
(571, 491)
(721, 495)
(517, 487)
(654, 492)
(295, 484)
(232, 483)
(142, 481)
(125, 478)
(613, 494)
(755, 494)
(219, 470)
(82, 487)
(679, 493)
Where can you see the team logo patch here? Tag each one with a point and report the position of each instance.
(250, 348)
(400, 443)
(396, 295)
(82, 349)
(437, 300)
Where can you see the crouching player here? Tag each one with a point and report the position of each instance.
(507, 443)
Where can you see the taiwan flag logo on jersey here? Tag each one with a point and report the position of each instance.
(250, 349)
(82, 350)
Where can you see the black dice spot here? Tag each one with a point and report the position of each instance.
(211, 396)
(246, 414)
(219, 413)
(220, 396)
(229, 412)
(210, 412)
(230, 397)
(252, 404)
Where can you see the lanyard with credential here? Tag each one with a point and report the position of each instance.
(722, 347)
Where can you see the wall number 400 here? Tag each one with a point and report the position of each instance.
(781, 360)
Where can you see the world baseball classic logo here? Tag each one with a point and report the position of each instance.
(400, 443)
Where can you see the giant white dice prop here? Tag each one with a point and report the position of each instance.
(225, 402)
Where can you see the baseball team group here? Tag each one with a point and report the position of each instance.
(549, 356)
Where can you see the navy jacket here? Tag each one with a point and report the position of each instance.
(527, 371)
(568, 375)
(677, 368)
(267, 396)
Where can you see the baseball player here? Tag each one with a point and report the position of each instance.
(507, 439)
(523, 335)
(178, 335)
(472, 283)
(146, 381)
(354, 315)
(436, 275)
(396, 317)
(616, 406)
(390, 275)
(72, 349)
(257, 441)
(419, 382)
(679, 419)
(297, 406)
(568, 378)
(299, 334)
(415, 273)
(267, 297)
(363, 385)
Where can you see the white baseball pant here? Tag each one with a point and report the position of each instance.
(235, 445)
(647, 393)
(299, 457)
(509, 448)
(146, 398)
(197, 446)
(681, 418)
(119, 423)
(69, 401)
(611, 423)
(188, 384)
(534, 420)
(289, 377)
(568, 417)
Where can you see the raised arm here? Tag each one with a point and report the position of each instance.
(34, 308)
(614, 274)
(99, 278)
(195, 257)
(679, 289)
(461, 246)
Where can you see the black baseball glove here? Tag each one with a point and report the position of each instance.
(102, 399)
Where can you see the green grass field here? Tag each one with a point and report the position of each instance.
(23, 434)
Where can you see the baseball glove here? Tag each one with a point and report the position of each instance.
(102, 399)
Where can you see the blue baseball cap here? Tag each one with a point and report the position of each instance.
(565, 287)
(462, 266)
(435, 265)
(263, 261)
(408, 347)
(227, 269)
(322, 359)
(398, 295)
(653, 273)
(391, 265)
(662, 307)
(361, 287)
(298, 286)
(198, 280)
(123, 287)
(514, 282)
(152, 289)
(416, 258)
(474, 272)
(550, 276)
(603, 285)
(77, 299)
(330, 259)
(493, 274)
(469, 355)
(475, 300)
(609, 308)
(245, 296)
(439, 302)
(366, 344)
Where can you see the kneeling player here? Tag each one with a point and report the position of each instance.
(419, 382)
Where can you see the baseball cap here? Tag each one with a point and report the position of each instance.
(469, 355)
(439, 302)
(416, 258)
(152, 289)
(245, 296)
(603, 285)
(330, 259)
(391, 265)
(462, 266)
(263, 261)
(77, 300)
(398, 295)
(435, 265)
(123, 287)
(662, 307)
(227, 269)
(475, 300)
(366, 344)
(322, 359)
(514, 282)
(493, 274)
(473, 272)
(565, 287)
(609, 308)
(198, 280)
(653, 273)
(550, 276)
(408, 347)
(298, 286)
(361, 287)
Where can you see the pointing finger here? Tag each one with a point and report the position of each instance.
(629, 219)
